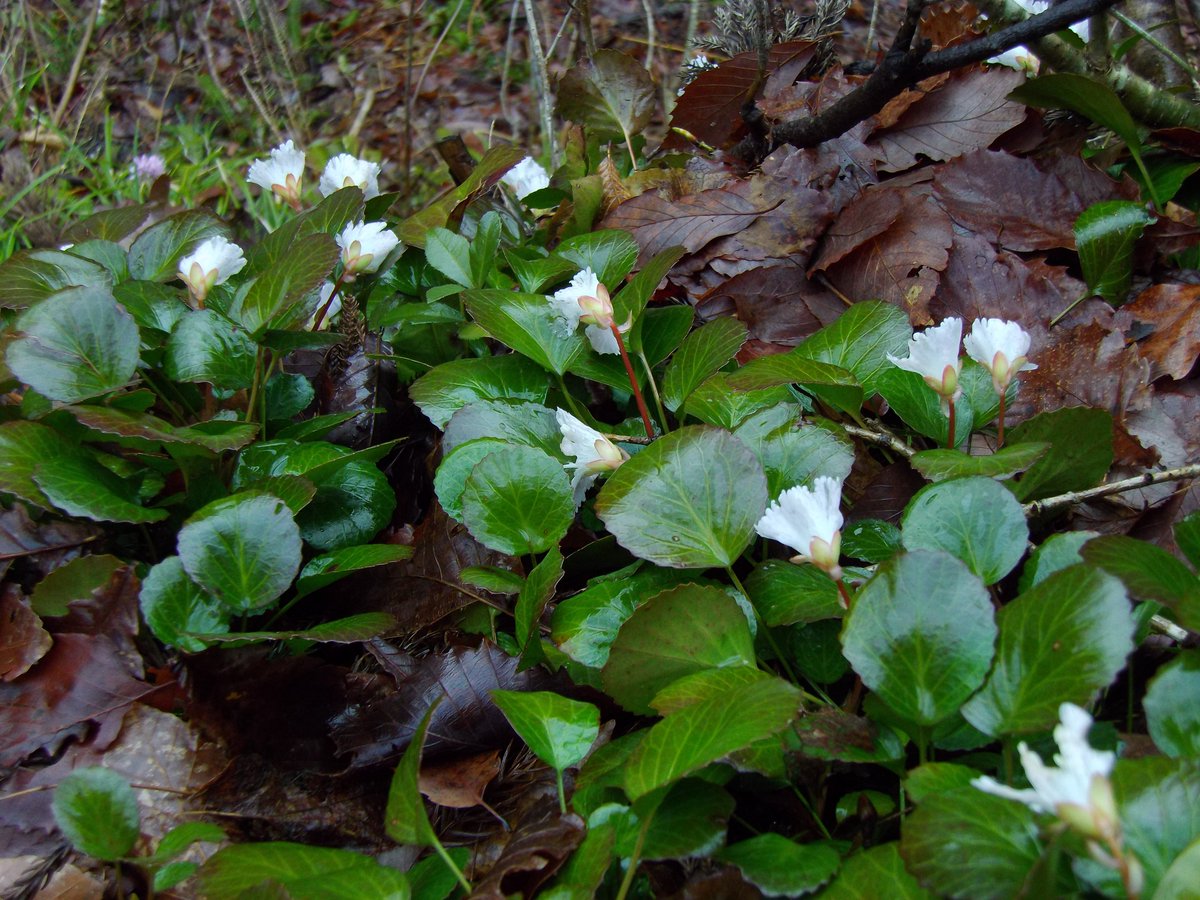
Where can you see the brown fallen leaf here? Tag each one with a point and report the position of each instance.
(1173, 312)
(777, 304)
(23, 640)
(460, 783)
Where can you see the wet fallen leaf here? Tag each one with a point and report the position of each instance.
(460, 783)
(1172, 311)
(23, 640)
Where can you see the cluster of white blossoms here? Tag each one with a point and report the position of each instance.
(282, 174)
(586, 301)
(593, 452)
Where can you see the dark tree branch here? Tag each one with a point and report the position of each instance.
(904, 65)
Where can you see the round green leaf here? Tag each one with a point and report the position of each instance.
(156, 253)
(518, 500)
(878, 871)
(244, 549)
(98, 812)
(81, 486)
(287, 395)
(351, 505)
(456, 467)
(558, 730)
(24, 446)
(1061, 641)
(207, 347)
(778, 866)
(976, 519)
(29, 276)
(174, 607)
(871, 540)
(920, 634)
(785, 594)
(1172, 706)
(689, 500)
(447, 388)
(676, 633)
(76, 344)
(530, 424)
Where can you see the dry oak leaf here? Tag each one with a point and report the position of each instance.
(1173, 312)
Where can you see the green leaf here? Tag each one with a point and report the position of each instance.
(456, 467)
(406, 821)
(72, 581)
(878, 871)
(558, 730)
(300, 872)
(98, 812)
(690, 821)
(529, 424)
(1059, 642)
(871, 540)
(920, 635)
(1057, 552)
(112, 421)
(353, 501)
(207, 347)
(1081, 451)
(243, 549)
(1086, 96)
(1105, 234)
(675, 633)
(528, 324)
(1180, 880)
(660, 329)
(330, 567)
(484, 248)
(689, 500)
(786, 594)
(631, 300)
(816, 651)
(700, 355)
(1159, 804)
(706, 732)
(23, 447)
(492, 579)
(155, 307)
(969, 844)
(30, 276)
(610, 95)
(794, 454)
(432, 879)
(350, 630)
(860, 341)
(1149, 573)
(288, 395)
(535, 275)
(976, 519)
(1172, 705)
(76, 344)
(777, 866)
(1187, 536)
(447, 388)
(715, 403)
(175, 607)
(302, 270)
(155, 254)
(703, 685)
(940, 465)
(536, 592)
(916, 403)
(832, 383)
(172, 874)
(450, 254)
(611, 254)
(181, 837)
(518, 500)
(81, 486)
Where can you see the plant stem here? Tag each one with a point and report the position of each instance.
(662, 413)
(634, 860)
(950, 433)
(562, 794)
(562, 384)
(633, 382)
(847, 600)
(774, 645)
(441, 851)
(1000, 423)
(324, 310)
(1181, 473)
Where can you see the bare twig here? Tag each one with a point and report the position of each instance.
(542, 83)
(77, 63)
(1049, 504)
(883, 437)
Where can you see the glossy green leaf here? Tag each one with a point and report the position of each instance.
(816, 652)
(492, 579)
(879, 870)
(916, 403)
(673, 634)
(350, 630)
(72, 581)
(1159, 803)
(117, 422)
(447, 388)
(1086, 96)
(558, 730)
(689, 500)
(708, 731)
(301, 872)
(611, 254)
(535, 593)
(98, 812)
(777, 866)
(30, 276)
(353, 502)
(832, 383)
(456, 467)
(703, 685)
(920, 634)
(528, 324)
(518, 500)
(871, 540)
(795, 454)
(1105, 234)
(76, 344)
(535, 275)
(715, 403)
(860, 341)
(175, 607)
(610, 95)
(1081, 451)
(207, 347)
(690, 821)
(700, 355)
(24, 446)
(155, 254)
(1060, 641)
(181, 837)
(287, 395)
(661, 329)
(975, 519)
(933, 779)
(968, 844)
(450, 254)
(630, 302)
(1172, 705)
(1057, 552)
(330, 567)
(940, 465)
(81, 486)
(405, 820)
(243, 549)
(155, 307)
(530, 424)
(306, 265)
(785, 593)
(1180, 879)
(485, 247)
(1149, 573)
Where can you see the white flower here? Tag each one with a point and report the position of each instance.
(1078, 791)
(526, 177)
(586, 300)
(323, 294)
(148, 166)
(281, 174)
(345, 171)
(933, 354)
(365, 245)
(1000, 347)
(210, 264)
(593, 452)
(809, 521)
(1021, 57)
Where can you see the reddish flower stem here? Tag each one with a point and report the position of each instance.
(950, 434)
(845, 595)
(1000, 423)
(633, 382)
(337, 287)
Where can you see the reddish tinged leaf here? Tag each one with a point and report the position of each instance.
(355, 381)
(1173, 312)
(689, 222)
(968, 113)
(111, 611)
(711, 105)
(81, 680)
(467, 721)
(887, 494)
(778, 305)
(23, 640)
(460, 783)
(21, 536)
(872, 214)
